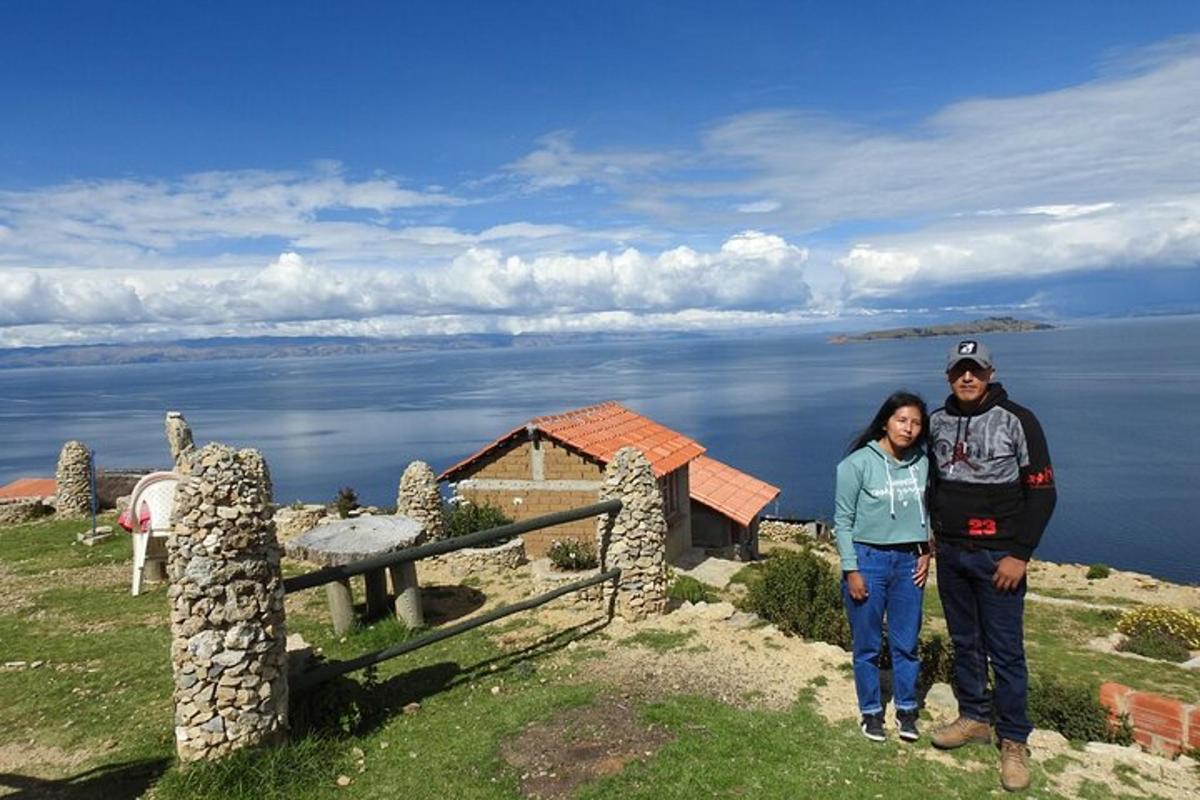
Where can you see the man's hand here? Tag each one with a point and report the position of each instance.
(1010, 571)
(857, 586)
(921, 573)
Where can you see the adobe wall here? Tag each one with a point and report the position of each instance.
(525, 481)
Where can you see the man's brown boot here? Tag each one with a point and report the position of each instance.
(963, 730)
(1014, 765)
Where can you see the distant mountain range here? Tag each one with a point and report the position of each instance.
(294, 347)
(986, 325)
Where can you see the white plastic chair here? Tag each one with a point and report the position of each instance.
(156, 492)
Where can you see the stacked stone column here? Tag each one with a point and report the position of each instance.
(418, 497)
(179, 436)
(73, 478)
(635, 539)
(228, 648)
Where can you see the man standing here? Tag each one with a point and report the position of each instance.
(993, 494)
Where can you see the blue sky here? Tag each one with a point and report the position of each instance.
(204, 169)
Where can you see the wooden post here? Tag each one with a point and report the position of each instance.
(408, 594)
(341, 605)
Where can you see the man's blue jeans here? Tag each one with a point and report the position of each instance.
(888, 573)
(986, 626)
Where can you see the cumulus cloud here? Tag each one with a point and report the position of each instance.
(750, 270)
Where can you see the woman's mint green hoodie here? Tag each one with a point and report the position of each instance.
(879, 500)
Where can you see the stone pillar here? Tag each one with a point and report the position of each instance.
(73, 494)
(228, 639)
(635, 540)
(418, 497)
(179, 435)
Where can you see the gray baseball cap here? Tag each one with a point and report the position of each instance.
(969, 350)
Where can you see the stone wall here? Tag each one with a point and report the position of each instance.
(469, 560)
(634, 539)
(21, 510)
(179, 436)
(291, 522)
(418, 497)
(228, 648)
(73, 497)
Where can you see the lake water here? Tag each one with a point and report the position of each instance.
(1118, 401)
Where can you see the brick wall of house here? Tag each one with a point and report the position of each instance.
(560, 464)
(535, 503)
(512, 463)
(565, 465)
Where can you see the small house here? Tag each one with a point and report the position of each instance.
(727, 505)
(554, 463)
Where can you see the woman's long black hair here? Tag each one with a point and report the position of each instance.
(875, 431)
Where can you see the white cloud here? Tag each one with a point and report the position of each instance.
(1029, 244)
(750, 270)
(759, 207)
(556, 164)
(1118, 155)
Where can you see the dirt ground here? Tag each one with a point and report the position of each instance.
(558, 755)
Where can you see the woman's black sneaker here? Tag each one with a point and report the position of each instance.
(872, 727)
(906, 721)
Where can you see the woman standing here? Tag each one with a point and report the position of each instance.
(883, 540)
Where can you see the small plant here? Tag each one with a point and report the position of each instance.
(1075, 711)
(1179, 623)
(464, 517)
(1098, 572)
(800, 593)
(572, 554)
(346, 501)
(1157, 644)
(687, 589)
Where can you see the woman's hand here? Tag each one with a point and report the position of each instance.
(921, 573)
(856, 585)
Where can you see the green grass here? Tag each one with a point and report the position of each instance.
(104, 690)
(794, 754)
(660, 641)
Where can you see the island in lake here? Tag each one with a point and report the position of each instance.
(986, 325)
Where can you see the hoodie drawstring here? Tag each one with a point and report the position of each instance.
(920, 503)
(887, 470)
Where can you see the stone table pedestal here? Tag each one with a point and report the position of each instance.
(343, 541)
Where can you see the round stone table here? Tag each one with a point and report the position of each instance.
(342, 541)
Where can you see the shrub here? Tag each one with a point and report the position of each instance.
(1075, 711)
(936, 656)
(800, 593)
(1098, 571)
(572, 554)
(346, 501)
(465, 517)
(685, 588)
(1180, 623)
(1157, 644)
(937, 661)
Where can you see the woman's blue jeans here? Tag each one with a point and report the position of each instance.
(888, 573)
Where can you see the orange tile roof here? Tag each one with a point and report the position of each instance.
(733, 493)
(28, 487)
(600, 431)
